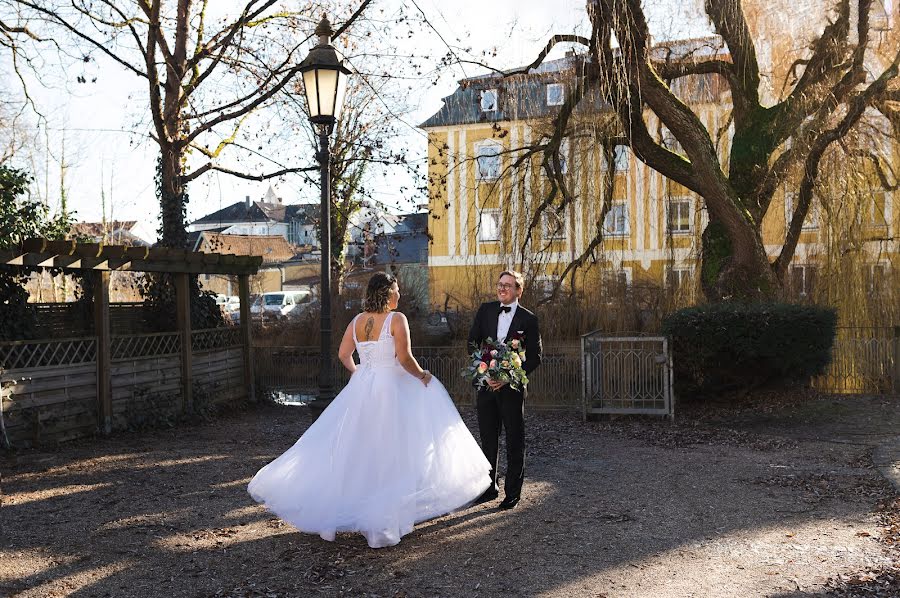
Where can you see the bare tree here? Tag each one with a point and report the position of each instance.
(207, 71)
(828, 93)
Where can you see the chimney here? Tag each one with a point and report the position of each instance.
(247, 202)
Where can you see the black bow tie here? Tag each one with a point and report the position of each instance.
(505, 309)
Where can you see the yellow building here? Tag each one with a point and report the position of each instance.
(485, 190)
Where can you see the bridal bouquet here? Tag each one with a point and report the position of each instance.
(498, 361)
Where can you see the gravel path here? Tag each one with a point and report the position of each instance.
(740, 503)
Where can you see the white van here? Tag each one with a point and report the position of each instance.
(282, 305)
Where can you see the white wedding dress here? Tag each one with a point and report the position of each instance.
(387, 453)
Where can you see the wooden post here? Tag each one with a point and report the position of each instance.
(896, 360)
(102, 331)
(183, 311)
(246, 337)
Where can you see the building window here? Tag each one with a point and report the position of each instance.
(668, 141)
(677, 277)
(811, 222)
(616, 221)
(487, 158)
(489, 226)
(544, 285)
(876, 209)
(556, 94)
(615, 279)
(678, 217)
(489, 100)
(803, 279)
(876, 274)
(563, 155)
(553, 224)
(621, 157)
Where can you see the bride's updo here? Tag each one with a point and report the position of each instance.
(378, 292)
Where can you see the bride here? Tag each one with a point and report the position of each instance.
(390, 451)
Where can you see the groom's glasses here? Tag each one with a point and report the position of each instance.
(502, 286)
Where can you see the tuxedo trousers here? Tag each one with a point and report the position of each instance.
(504, 408)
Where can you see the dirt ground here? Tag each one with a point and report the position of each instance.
(769, 501)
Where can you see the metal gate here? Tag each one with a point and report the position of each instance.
(626, 375)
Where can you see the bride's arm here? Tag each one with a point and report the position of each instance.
(400, 332)
(345, 352)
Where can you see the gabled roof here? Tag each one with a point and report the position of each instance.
(272, 248)
(412, 224)
(262, 211)
(523, 96)
(115, 232)
(519, 96)
(407, 244)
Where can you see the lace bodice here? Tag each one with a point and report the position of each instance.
(377, 353)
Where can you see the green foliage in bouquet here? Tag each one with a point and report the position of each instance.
(498, 361)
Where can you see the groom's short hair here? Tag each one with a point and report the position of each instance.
(520, 280)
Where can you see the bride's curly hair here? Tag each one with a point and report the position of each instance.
(378, 292)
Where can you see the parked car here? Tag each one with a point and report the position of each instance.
(282, 305)
(228, 303)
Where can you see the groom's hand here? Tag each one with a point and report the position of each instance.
(496, 384)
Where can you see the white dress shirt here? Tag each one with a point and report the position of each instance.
(504, 320)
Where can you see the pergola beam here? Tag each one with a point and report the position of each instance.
(68, 255)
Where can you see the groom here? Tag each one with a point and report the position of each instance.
(501, 406)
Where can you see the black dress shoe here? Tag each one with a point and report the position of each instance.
(489, 495)
(509, 502)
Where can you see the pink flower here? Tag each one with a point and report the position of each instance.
(494, 353)
(482, 367)
(493, 363)
(514, 343)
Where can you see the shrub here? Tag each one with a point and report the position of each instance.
(735, 346)
(21, 217)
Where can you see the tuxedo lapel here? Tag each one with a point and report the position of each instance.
(516, 323)
(494, 323)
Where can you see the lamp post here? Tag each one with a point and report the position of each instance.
(324, 84)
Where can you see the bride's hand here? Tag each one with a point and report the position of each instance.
(426, 378)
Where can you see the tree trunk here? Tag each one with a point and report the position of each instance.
(735, 266)
(172, 196)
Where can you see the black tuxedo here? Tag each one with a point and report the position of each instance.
(505, 408)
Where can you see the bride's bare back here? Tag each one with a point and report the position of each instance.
(369, 325)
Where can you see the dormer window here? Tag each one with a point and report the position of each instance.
(556, 94)
(489, 100)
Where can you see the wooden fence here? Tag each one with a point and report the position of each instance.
(862, 365)
(49, 387)
(864, 361)
(294, 370)
(70, 319)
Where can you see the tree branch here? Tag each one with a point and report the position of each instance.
(243, 175)
(56, 18)
(349, 22)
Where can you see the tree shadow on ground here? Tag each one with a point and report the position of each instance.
(167, 514)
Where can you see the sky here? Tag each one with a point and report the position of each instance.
(101, 127)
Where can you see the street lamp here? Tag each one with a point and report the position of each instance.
(324, 83)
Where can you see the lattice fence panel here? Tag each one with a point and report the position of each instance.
(145, 345)
(46, 353)
(215, 338)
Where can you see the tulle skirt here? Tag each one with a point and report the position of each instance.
(386, 454)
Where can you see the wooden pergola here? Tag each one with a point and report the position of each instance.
(100, 260)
